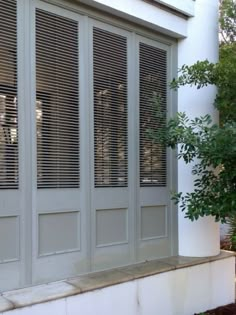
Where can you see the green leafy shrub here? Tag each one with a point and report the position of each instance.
(211, 148)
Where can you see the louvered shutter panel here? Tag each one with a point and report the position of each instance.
(110, 109)
(9, 165)
(57, 109)
(153, 102)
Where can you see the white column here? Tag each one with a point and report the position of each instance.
(198, 238)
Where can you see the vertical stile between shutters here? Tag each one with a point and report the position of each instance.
(57, 101)
(110, 109)
(153, 104)
(9, 161)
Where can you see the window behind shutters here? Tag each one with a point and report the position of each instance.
(153, 102)
(9, 164)
(110, 109)
(57, 110)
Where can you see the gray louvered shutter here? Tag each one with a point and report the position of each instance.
(153, 102)
(57, 109)
(9, 164)
(110, 109)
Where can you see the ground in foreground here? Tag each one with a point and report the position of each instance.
(229, 309)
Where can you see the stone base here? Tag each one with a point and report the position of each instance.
(171, 286)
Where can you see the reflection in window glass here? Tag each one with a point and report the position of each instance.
(110, 109)
(153, 100)
(57, 101)
(9, 173)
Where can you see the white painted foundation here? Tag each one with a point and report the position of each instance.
(181, 292)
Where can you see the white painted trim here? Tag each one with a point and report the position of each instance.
(183, 6)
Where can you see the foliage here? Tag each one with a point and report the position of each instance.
(210, 148)
(221, 74)
(232, 232)
(227, 21)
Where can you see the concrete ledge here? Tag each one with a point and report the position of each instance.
(98, 280)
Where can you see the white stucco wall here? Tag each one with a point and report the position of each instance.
(199, 238)
(181, 292)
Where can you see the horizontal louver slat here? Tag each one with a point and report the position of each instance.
(57, 105)
(9, 161)
(110, 109)
(153, 100)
